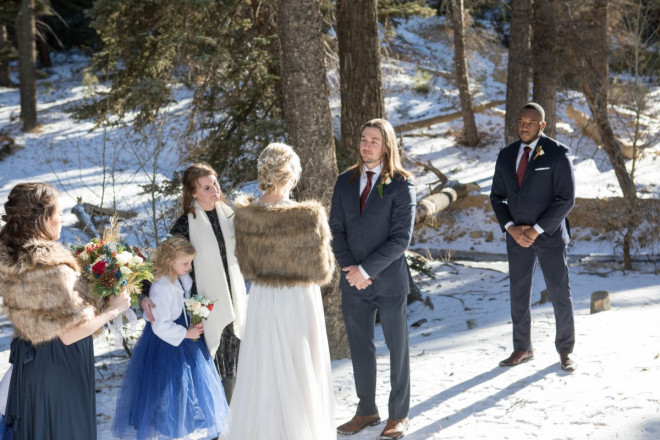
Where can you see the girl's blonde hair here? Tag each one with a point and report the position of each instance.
(277, 165)
(169, 250)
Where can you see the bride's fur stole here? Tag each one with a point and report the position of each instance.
(283, 245)
(43, 291)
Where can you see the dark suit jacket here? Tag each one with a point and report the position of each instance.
(547, 193)
(378, 238)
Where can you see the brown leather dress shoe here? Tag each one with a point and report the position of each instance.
(567, 364)
(358, 423)
(517, 357)
(395, 429)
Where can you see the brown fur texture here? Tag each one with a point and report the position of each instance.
(43, 291)
(283, 245)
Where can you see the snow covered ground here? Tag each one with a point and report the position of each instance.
(458, 391)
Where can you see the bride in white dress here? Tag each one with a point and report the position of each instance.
(284, 384)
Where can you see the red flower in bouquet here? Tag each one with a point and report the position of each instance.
(99, 267)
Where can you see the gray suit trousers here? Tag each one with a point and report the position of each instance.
(359, 313)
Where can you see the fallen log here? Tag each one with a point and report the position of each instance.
(408, 126)
(430, 206)
(442, 195)
(85, 220)
(107, 212)
(589, 129)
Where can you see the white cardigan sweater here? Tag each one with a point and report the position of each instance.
(168, 298)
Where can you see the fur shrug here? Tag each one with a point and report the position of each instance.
(283, 245)
(43, 291)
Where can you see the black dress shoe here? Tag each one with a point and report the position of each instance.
(517, 357)
(567, 364)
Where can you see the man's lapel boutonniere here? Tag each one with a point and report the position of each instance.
(385, 179)
(538, 151)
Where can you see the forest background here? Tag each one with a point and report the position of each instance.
(164, 83)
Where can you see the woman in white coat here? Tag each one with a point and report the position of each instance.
(208, 223)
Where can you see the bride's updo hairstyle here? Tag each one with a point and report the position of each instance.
(28, 209)
(278, 165)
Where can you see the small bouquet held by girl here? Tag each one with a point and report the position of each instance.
(111, 266)
(199, 309)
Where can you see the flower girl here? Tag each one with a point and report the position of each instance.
(171, 387)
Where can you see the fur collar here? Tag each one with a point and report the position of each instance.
(283, 245)
(36, 254)
(43, 291)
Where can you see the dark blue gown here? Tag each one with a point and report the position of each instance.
(170, 391)
(51, 393)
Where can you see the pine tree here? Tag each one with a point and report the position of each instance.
(224, 51)
(309, 125)
(518, 76)
(27, 75)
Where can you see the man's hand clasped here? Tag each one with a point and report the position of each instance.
(524, 235)
(355, 278)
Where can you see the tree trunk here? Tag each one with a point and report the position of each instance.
(309, 125)
(545, 62)
(44, 54)
(5, 79)
(518, 74)
(359, 72)
(462, 81)
(590, 45)
(26, 64)
(423, 123)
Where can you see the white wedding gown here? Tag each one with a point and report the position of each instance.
(284, 384)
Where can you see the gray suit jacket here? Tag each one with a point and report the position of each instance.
(377, 238)
(547, 193)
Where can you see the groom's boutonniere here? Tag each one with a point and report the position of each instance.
(385, 179)
(538, 151)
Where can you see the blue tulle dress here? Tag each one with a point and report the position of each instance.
(170, 391)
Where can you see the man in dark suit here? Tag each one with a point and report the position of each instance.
(372, 217)
(532, 193)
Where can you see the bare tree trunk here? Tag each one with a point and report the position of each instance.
(5, 79)
(546, 65)
(44, 54)
(307, 115)
(518, 74)
(590, 45)
(359, 71)
(462, 81)
(26, 64)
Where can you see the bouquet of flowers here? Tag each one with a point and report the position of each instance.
(111, 266)
(199, 309)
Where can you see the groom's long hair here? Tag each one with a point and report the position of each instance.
(392, 158)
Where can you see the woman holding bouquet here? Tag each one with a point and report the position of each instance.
(208, 223)
(284, 388)
(54, 314)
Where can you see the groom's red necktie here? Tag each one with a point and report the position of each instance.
(522, 166)
(366, 191)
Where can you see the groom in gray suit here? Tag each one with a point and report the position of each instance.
(372, 217)
(532, 193)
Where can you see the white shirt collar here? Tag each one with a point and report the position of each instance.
(377, 169)
(531, 145)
